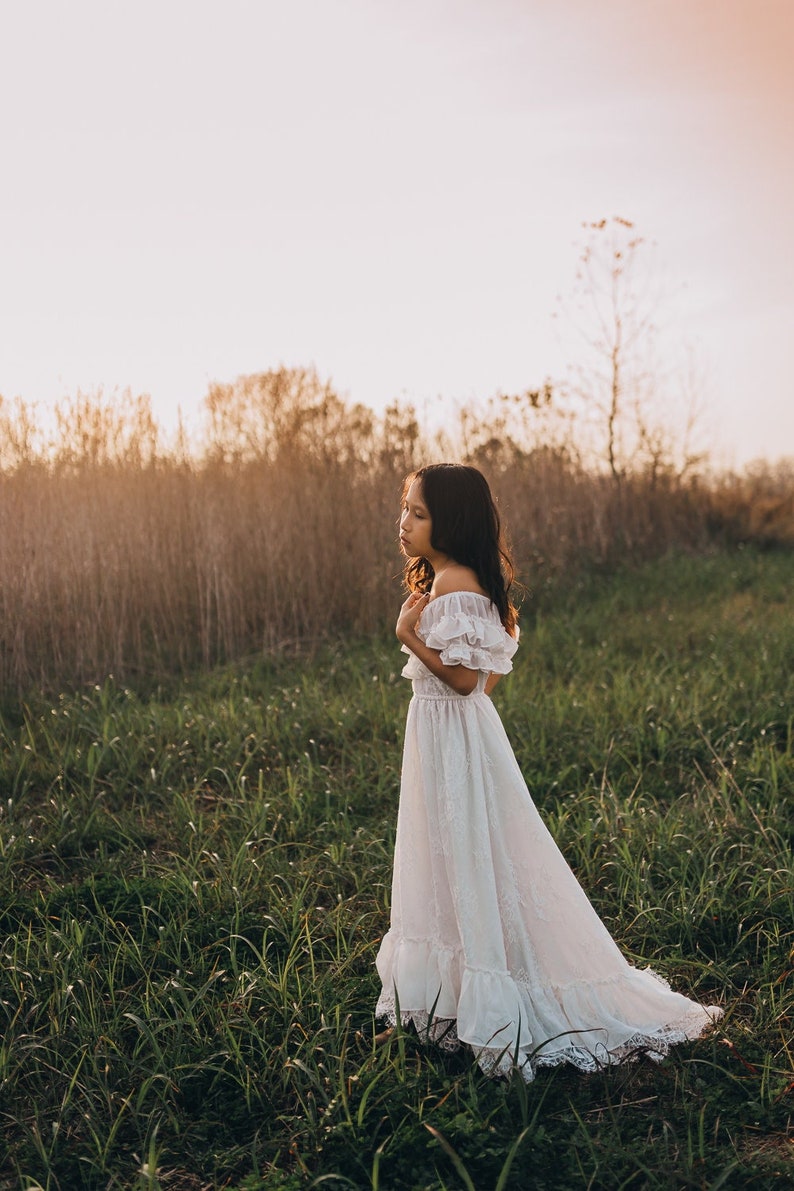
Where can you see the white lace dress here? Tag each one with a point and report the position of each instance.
(492, 940)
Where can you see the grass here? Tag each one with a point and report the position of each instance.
(195, 880)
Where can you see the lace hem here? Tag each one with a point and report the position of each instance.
(496, 1063)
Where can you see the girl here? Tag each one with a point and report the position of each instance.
(492, 941)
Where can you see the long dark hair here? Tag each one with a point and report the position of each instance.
(466, 527)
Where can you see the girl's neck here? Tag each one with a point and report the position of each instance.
(441, 563)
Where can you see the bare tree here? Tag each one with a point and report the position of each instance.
(613, 375)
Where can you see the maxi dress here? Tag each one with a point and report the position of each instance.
(492, 942)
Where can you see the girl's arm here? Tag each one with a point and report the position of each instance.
(461, 679)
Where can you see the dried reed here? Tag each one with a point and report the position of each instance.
(122, 554)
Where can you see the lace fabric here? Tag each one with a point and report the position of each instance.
(492, 941)
(593, 1055)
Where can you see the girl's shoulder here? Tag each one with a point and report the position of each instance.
(455, 578)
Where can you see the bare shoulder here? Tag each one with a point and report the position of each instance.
(456, 578)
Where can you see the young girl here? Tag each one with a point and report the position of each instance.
(492, 940)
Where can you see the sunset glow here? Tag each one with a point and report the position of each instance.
(391, 193)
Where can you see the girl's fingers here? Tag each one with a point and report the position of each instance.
(416, 598)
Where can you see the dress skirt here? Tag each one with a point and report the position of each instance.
(493, 942)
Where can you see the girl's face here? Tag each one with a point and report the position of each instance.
(415, 524)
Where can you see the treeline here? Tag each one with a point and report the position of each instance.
(125, 552)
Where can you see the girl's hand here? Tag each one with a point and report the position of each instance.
(409, 615)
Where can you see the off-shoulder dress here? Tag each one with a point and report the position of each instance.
(492, 940)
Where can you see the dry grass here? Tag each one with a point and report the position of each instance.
(757, 506)
(122, 554)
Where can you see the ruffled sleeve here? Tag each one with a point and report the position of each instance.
(466, 630)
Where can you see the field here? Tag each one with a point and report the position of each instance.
(195, 878)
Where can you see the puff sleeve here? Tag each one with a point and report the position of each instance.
(466, 630)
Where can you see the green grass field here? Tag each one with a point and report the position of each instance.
(195, 881)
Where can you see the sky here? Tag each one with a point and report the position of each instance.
(393, 194)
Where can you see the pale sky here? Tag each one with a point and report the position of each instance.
(391, 192)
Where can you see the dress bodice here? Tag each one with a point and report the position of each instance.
(465, 627)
